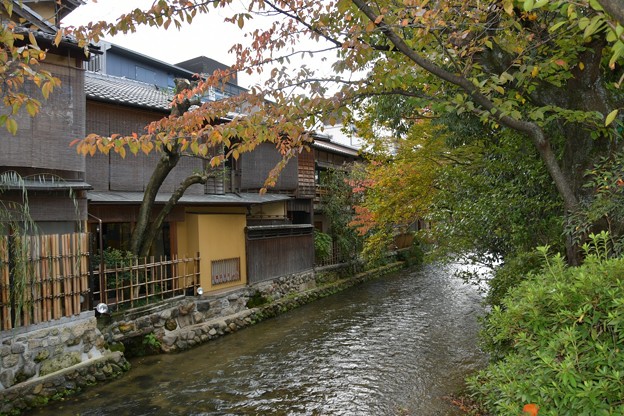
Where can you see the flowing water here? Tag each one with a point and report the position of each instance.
(398, 345)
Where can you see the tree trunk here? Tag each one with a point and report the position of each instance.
(167, 162)
(145, 232)
(155, 226)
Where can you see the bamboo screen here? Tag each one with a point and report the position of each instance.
(42, 278)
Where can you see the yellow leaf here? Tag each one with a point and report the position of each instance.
(611, 116)
(57, 38)
(581, 66)
(535, 71)
(31, 38)
(31, 108)
(379, 19)
(508, 6)
(11, 126)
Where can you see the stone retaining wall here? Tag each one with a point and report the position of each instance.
(45, 360)
(192, 321)
(210, 315)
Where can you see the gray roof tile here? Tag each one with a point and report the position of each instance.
(126, 91)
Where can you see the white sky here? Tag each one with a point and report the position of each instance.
(207, 35)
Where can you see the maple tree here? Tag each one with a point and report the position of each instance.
(549, 70)
(396, 189)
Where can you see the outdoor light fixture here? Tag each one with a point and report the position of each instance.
(102, 308)
(200, 291)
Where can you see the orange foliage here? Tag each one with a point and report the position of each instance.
(530, 409)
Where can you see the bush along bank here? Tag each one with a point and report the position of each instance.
(557, 340)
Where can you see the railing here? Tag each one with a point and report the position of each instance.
(42, 278)
(146, 281)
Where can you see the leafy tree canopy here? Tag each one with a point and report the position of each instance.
(549, 70)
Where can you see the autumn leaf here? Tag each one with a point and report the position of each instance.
(530, 409)
(611, 116)
(11, 126)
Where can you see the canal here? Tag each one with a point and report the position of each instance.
(399, 345)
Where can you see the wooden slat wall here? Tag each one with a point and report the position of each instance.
(255, 168)
(306, 168)
(43, 141)
(51, 206)
(272, 257)
(58, 276)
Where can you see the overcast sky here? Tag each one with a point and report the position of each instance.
(208, 35)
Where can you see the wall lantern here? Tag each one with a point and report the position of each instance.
(102, 308)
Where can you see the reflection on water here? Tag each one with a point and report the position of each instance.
(393, 346)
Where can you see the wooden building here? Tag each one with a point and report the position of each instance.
(40, 151)
(242, 236)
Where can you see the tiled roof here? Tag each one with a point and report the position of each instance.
(126, 91)
(239, 199)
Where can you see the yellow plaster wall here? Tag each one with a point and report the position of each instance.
(215, 237)
(276, 209)
(45, 9)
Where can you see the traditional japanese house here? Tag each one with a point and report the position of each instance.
(242, 236)
(39, 152)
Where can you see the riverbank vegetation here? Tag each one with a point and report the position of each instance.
(556, 339)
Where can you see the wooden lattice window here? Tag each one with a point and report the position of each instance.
(225, 271)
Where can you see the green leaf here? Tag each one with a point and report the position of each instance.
(595, 5)
(556, 26)
(611, 116)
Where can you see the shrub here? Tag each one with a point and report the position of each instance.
(114, 258)
(559, 338)
(510, 274)
(322, 246)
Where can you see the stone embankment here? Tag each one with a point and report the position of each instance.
(39, 364)
(194, 321)
(48, 360)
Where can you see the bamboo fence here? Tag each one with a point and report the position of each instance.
(48, 280)
(146, 281)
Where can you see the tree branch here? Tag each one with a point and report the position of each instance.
(531, 129)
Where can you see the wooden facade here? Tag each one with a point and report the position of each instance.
(275, 251)
(42, 147)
